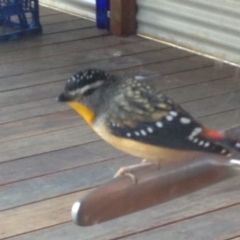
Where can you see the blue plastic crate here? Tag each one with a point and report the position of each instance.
(19, 18)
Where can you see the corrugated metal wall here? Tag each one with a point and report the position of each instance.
(207, 26)
(84, 8)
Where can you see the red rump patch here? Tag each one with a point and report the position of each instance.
(212, 133)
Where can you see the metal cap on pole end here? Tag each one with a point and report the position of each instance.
(75, 212)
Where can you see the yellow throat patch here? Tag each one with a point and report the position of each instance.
(83, 110)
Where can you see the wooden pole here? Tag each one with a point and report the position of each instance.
(121, 197)
(123, 17)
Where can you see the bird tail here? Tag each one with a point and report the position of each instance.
(231, 143)
(234, 145)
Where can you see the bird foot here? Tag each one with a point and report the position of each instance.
(126, 171)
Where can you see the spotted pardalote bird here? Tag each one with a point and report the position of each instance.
(136, 119)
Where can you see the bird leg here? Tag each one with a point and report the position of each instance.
(126, 171)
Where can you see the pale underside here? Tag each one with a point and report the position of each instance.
(150, 152)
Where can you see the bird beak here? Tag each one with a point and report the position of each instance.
(62, 98)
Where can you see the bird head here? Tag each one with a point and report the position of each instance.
(85, 92)
(83, 84)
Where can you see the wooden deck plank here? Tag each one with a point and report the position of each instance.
(208, 199)
(59, 17)
(43, 91)
(204, 90)
(56, 161)
(16, 112)
(53, 89)
(44, 211)
(220, 225)
(40, 40)
(47, 142)
(28, 94)
(67, 26)
(171, 66)
(65, 47)
(41, 64)
(39, 125)
(61, 183)
(43, 11)
(192, 77)
(31, 109)
(213, 105)
(183, 94)
(222, 120)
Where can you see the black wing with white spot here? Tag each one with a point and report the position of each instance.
(151, 118)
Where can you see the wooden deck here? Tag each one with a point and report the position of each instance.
(49, 157)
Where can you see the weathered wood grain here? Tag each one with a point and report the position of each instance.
(213, 105)
(53, 89)
(222, 120)
(39, 125)
(42, 143)
(42, 214)
(79, 57)
(31, 109)
(43, 11)
(212, 198)
(45, 106)
(194, 76)
(170, 66)
(67, 26)
(65, 47)
(35, 41)
(204, 90)
(60, 183)
(219, 225)
(56, 18)
(56, 161)
(38, 92)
